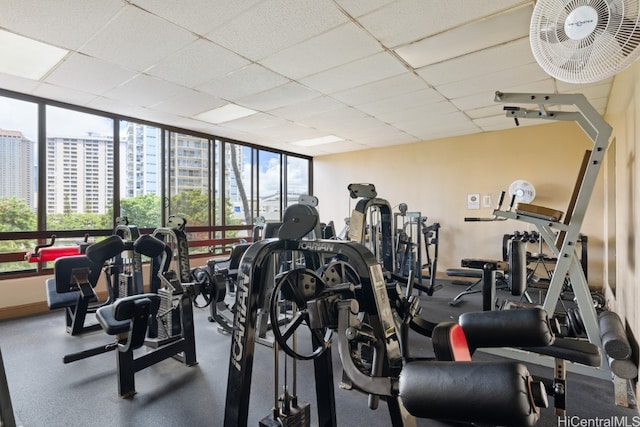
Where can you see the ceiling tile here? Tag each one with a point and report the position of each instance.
(89, 74)
(485, 99)
(67, 24)
(478, 35)
(154, 38)
(290, 132)
(64, 94)
(254, 122)
(564, 87)
(402, 102)
(341, 45)
(197, 63)
(144, 91)
(243, 82)
(381, 89)
(376, 67)
(482, 62)
(281, 96)
(357, 8)
(116, 106)
(308, 108)
(188, 102)
(507, 78)
(425, 113)
(405, 21)
(209, 16)
(18, 84)
(273, 25)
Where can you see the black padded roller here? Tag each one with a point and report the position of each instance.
(148, 245)
(614, 337)
(517, 276)
(526, 327)
(101, 251)
(494, 393)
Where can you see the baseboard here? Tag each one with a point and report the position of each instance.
(23, 310)
(32, 309)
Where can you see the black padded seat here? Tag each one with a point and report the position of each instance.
(467, 272)
(107, 320)
(57, 300)
(117, 318)
(493, 393)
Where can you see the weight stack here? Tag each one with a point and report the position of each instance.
(298, 416)
(125, 285)
(171, 320)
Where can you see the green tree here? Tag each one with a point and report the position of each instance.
(192, 205)
(78, 221)
(142, 211)
(15, 215)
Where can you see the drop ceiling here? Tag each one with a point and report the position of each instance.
(367, 73)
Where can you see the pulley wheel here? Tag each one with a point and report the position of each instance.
(289, 298)
(202, 278)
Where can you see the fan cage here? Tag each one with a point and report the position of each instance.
(608, 49)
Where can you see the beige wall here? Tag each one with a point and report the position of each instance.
(435, 178)
(623, 113)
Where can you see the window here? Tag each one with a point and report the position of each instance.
(270, 185)
(80, 189)
(297, 178)
(18, 174)
(92, 167)
(140, 174)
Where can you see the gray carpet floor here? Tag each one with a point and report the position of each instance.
(46, 392)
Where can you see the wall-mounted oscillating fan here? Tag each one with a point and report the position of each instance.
(585, 41)
(524, 191)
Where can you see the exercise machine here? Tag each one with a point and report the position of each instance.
(75, 277)
(129, 320)
(127, 266)
(360, 314)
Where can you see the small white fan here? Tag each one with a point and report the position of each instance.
(524, 191)
(585, 41)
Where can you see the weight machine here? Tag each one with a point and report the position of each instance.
(561, 234)
(350, 297)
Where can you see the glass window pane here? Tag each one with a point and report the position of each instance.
(140, 174)
(238, 188)
(18, 175)
(297, 178)
(270, 187)
(79, 170)
(190, 182)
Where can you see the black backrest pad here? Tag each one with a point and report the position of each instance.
(493, 393)
(149, 245)
(507, 328)
(517, 276)
(63, 272)
(124, 308)
(101, 251)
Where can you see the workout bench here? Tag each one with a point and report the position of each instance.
(480, 331)
(75, 278)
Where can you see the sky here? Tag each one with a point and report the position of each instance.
(22, 116)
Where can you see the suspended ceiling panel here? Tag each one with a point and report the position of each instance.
(369, 73)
